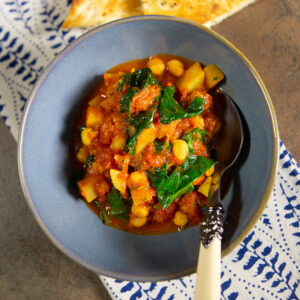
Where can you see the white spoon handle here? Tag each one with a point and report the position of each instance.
(208, 286)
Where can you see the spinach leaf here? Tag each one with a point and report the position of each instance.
(180, 181)
(166, 199)
(169, 147)
(137, 80)
(90, 159)
(159, 146)
(122, 82)
(140, 122)
(195, 107)
(103, 214)
(119, 207)
(193, 135)
(170, 110)
(159, 175)
(126, 99)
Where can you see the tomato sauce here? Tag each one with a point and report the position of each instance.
(98, 150)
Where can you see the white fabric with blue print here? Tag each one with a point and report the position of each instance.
(264, 266)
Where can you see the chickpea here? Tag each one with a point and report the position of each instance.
(210, 171)
(87, 135)
(175, 67)
(180, 219)
(140, 211)
(156, 65)
(82, 155)
(180, 149)
(137, 222)
(198, 121)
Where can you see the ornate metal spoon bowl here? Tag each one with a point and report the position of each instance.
(227, 147)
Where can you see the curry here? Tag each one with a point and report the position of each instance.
(140, 145)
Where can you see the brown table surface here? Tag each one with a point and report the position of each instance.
(267, 32)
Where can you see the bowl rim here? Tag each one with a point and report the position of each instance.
(48, 68)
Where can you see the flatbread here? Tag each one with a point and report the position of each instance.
(235, 7)
(89, 13)
(201, 11)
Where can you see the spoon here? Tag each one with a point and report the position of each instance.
(227, 146)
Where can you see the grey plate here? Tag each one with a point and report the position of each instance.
(43, 147)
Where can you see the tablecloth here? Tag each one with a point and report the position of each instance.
(264, 266)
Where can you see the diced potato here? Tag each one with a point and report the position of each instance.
(210, 171)
(138, 179)
(198, 121)
(180, 219)
(204, 187)
(111, 78)
(118, 181)
(94, 116)
(156, 65)
(87, 135)
(147, 136)
(108, 104)
(141, 195)
(140, 210)
(175, 67)
(213, 75)
(118, 143)
(180, 149)
(87, 187)
(82, 155)
(137, 222)
(191, 79)
(95, 101)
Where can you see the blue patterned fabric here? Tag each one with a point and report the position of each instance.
(264, 266)
(30, 37)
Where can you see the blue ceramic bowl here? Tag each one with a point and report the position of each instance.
(43, 147)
